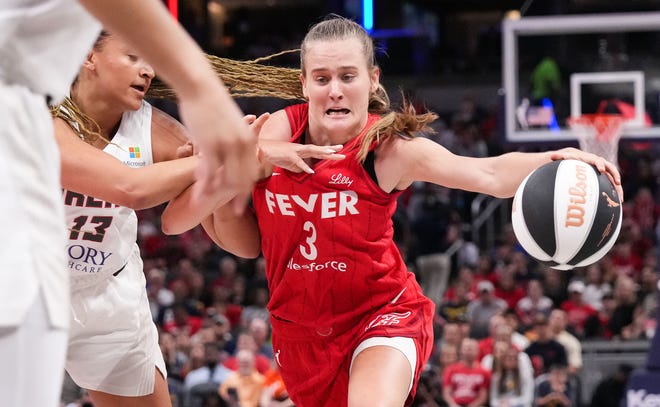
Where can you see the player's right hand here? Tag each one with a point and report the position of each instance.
(290, 156)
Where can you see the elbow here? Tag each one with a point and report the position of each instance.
(244, 251)
(167, 228)
(130, 196)
(251, 253)
(169, 225)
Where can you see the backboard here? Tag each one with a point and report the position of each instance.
(558, 67)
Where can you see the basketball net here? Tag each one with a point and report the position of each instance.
(599, 133)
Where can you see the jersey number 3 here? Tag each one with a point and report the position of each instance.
(309, 251)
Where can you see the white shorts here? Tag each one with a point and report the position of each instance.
(404, 345)
(113, 344)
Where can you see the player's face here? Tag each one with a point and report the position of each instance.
(123, 77)
(337, 82)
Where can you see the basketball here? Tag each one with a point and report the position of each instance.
(566, 214)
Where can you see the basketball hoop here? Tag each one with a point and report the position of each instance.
(599, 133)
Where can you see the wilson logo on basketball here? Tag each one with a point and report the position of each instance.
(577, 194)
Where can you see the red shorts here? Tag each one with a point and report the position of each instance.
(315, 363)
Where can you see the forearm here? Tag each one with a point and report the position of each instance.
(184, 213)
(135, 188)
(237, 234)
(510, 169)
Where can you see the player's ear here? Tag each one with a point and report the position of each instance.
(375, 79)
(90, 61)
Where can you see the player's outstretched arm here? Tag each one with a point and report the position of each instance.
(207, 110)
(402, 162)
(109, 179)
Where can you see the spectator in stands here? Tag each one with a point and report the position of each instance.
(647, 293)
(258, 299)
(511, 318)
(599, 327)
(245, 341)
(260, 331)
(498, 329)
(553, 285)
(483, 308)
(596, 286)
(181, 321)
(206, 372)
(625, 259)
(454, 309)
(466, 383)
(451, 336)
(274, 393)
(507, 287)
(176, 362)
(611, 390)
(159, 296)
(577, 311)
(626, 302)
(512, 381)
(544, 351)
(555, 390)
(557, 325)
(243, 387)
(533, 303)
(429, 390)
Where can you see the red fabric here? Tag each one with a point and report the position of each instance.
(465, 382)
(577, 314)
(262, 363)
(192, 325)
(333, 269)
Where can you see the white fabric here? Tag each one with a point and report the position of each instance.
(573, 348)
(113, 345)
(526, 371)
(32, 354)
(103, 234)
(405, 345)
(31, 215)
(43, 43)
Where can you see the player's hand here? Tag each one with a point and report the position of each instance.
(290, 156)
(601, 164)
(226, 144)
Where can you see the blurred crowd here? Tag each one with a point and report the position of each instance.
(508, 330)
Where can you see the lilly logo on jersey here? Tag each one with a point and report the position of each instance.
(327, 204)
(339, 179)
(393, 318)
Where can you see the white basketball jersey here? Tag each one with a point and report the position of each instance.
(43, 43)
(102, 235)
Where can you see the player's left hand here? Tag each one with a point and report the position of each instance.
(602, 165)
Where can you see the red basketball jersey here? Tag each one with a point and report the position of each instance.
(327, 239)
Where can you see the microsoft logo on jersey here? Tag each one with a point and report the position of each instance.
(134, 152)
